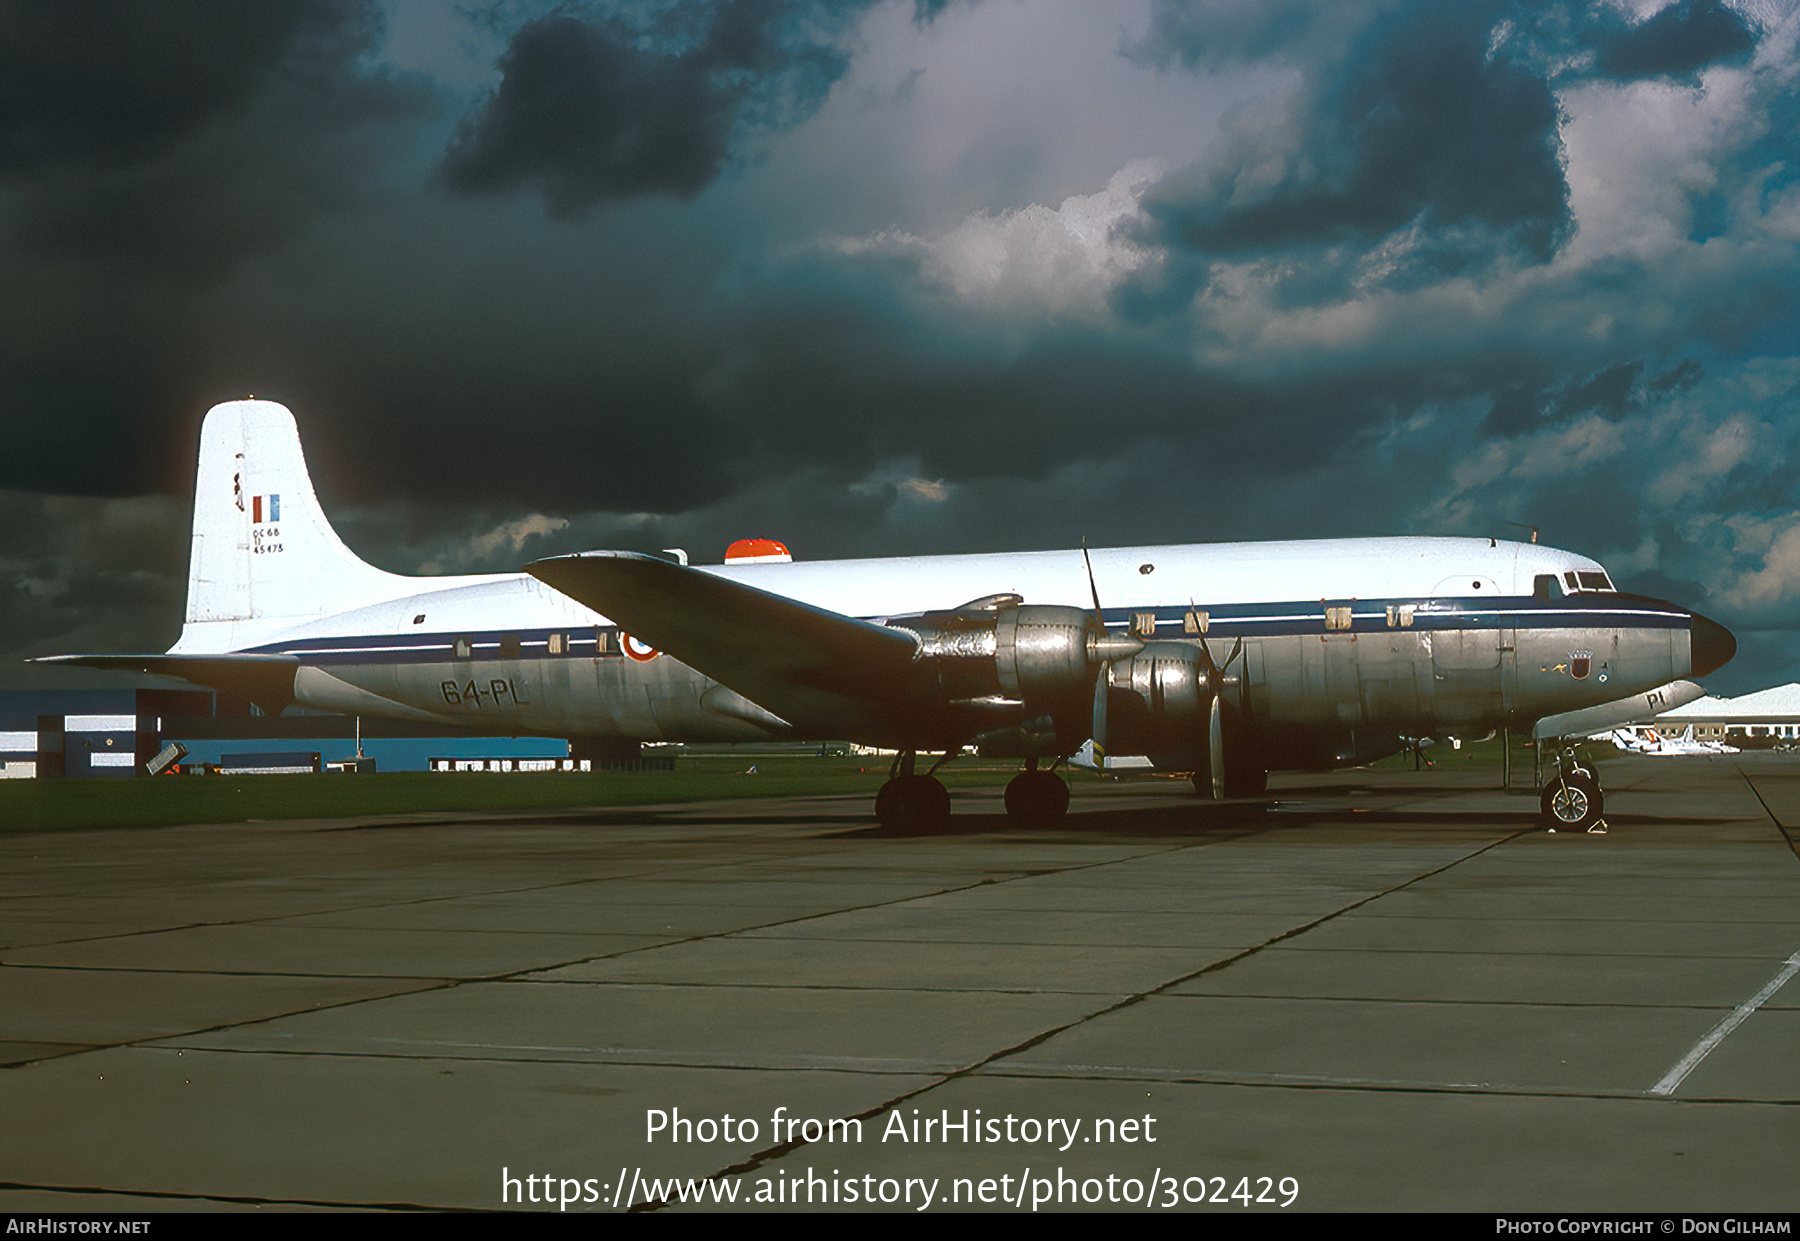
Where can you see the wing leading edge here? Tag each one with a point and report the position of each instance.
(824, 673)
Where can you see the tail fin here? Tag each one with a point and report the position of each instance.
(262, 547)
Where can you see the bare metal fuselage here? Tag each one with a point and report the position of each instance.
(1319, 683)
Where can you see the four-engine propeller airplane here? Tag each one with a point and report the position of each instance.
(1224, 660)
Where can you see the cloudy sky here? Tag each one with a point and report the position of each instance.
(905, 276)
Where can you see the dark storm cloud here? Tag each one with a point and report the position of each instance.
(147, 151)
(182, 137)
(113, 82)
(591, 108)
(80, 574)
(1357, 305)
(1677, 41)
(1418, 122)
(1613, 392)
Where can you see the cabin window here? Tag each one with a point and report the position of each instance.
(555, 644)
(1400, 615)
(1541, 584)
(1195, 622)
(1338, 618)
(509, 646)
(1144, 623)
(464, 647)
(606, 642)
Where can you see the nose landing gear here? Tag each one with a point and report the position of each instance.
(1572, 801)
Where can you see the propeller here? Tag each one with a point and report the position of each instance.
(1215, 716)
(1105, 648)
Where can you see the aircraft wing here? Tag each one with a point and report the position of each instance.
(821, 671)
(266, 680)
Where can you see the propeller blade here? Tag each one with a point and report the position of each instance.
(1215, 749)
(1100, 687)
(1105, 648)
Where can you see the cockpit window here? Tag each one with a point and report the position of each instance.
(1586, 579)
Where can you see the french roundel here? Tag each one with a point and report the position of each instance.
(637, 650)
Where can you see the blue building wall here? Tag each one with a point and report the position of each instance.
(110, 733)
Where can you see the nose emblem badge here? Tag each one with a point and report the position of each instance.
(1580, 663)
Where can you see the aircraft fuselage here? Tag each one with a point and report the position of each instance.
(1382, 637)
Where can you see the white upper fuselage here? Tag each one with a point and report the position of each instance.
(1169, 575)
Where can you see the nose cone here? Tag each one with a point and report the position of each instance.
(1711, 645)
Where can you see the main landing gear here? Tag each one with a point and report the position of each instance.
(913, 802)
(1035, 796)
(910, 802)
(1572, 800)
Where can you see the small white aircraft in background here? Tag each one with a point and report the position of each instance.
(1644, 739)
(1223, 660)
(1085, 758)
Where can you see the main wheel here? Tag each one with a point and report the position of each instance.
(910, 802)
(1036, 797)
(1572, 803)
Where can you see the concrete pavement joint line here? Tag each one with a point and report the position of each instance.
(517, 975)
(1793, 845)
(617, 1057)
(151, 1040)
(1701, 1050)
(205, 973)
(760, 1158)
(1298, 1081)
(763, 1157)
(988, 881)
(1423, 1003)
(340, 909)
(648, 871)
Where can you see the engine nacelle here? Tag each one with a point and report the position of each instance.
(1007, 654)
(1158, 704)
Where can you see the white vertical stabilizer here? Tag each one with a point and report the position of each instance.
(263, 551)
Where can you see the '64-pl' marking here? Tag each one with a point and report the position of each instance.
(503, 692)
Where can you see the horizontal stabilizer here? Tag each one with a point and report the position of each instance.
(819, 670)
(266, 680)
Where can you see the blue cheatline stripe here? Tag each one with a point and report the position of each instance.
(1255, 620)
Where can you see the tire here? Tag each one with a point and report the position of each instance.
(908, 803)
(1036, 797)
(1572, 803)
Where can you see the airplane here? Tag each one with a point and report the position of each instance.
(1226, 661)
(1647, 740)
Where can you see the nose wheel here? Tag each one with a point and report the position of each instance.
(1573, 802)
